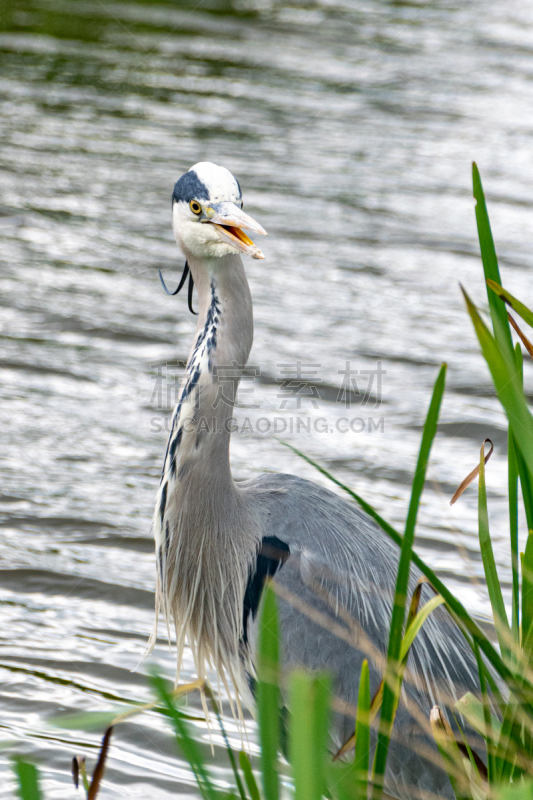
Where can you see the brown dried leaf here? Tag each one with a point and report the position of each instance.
(98, 773)
(472, 475)
(525, 341)
(444, 735)
(440, 725)
(415, 601)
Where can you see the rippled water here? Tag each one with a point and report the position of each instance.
(351, 127)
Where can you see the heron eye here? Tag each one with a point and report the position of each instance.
(195, 207)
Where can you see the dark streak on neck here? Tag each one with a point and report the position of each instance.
(209, 336)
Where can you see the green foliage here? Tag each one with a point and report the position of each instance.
(268, 694)
(393, 673)
(362, 735)
(28, 780)
(309, 713)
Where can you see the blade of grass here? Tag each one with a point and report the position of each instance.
(521, 791)
(527, 596)
(231, 755)
(522, 310)
(450, 753)
(96, 720)
(523, 472)
(498, 311)
(509, 744)
(477, 771)
(526, 484)
(186, 742)
(507, 733)
(414, 627)
(321, 720)
(471, 708)
(489, 737)
(308, 734)
(391, 688)
(249, 776)
(525, 477)
(268, 693)
(512, 470)
(508, 385)
(28, 780)
(362, 734)
(489, 565)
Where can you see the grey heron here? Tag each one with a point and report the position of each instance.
(218, 540)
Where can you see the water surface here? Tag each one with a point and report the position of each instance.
(351, 127)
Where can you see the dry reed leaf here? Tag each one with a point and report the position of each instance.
(471, 476)
(443, 733)
(525, 341)
(98, 773)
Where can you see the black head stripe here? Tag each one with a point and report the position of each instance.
(240, 190)
(189, 187)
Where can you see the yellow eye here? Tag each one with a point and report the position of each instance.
(195, 207)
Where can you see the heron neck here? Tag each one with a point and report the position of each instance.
(206, 535)
(198, 451)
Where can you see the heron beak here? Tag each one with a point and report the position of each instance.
(229, 221)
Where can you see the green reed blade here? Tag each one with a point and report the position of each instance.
(362, 734)
(96, 720)
(452, 757)
(527, 596)
(512, 470)
(229, 750)
(489, 565)
(249, 776)
(341, 782)
(509, 744)
(508, 385)
(268, 693)
(28, 780)
(498, 311)
(471, 708)
(308, 731)
(392, 684)
(489, 737)
(414, 627)
(321, 724)
(515, 304)
(185, 740)
(520, 791)
(526, 482)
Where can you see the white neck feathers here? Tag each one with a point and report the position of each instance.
(206, 538)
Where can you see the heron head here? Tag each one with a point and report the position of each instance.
(207, 213)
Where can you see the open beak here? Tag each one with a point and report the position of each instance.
(229, 221)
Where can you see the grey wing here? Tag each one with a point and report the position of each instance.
(335, 596)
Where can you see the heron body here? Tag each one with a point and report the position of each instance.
(217, 541)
